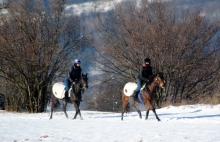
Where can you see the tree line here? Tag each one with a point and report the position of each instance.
(181, 43)
(38, 43)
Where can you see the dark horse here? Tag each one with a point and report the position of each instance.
(75, 96)
(147, 96)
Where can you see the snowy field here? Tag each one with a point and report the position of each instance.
(192, 123)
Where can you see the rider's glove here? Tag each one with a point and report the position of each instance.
(70, 80)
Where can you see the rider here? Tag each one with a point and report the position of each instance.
(74, 74)
(144, 74)
(75, 71)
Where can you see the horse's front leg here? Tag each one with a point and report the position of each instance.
(150, 107)
(155, 114)
(79, 112)
(76, 108)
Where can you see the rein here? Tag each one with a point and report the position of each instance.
(148, 87)
(77, 85)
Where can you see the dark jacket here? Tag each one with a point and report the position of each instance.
(75, 73)
(145, 72)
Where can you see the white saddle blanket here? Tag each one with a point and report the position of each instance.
(59, 90)
(129, 88)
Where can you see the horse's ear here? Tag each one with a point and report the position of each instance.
(82, 74)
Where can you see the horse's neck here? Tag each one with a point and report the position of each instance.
(152, 87)
(77, 87)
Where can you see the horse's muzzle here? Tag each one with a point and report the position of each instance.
(86, 86)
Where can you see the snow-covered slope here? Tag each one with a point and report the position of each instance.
(192, 123)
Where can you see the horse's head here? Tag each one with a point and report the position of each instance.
(158, 79)
(84, 81)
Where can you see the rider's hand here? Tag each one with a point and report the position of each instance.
(70, 80)
(146, 80)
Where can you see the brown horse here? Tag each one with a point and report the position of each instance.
(147, 96)
(75, 96)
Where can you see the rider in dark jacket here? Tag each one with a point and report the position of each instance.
(73, 74)
(144, 74)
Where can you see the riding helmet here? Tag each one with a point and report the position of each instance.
(147, 60)
(77, 61)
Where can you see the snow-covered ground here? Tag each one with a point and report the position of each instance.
(191, 123)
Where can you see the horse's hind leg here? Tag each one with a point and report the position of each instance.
(134, 103)
(51, 114)
(64, 107)
(138, 111)
(54, 101)
(125, 100)
(147, 113)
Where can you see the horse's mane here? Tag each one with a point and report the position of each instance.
(154, 75)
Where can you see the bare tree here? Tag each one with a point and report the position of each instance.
(37, 45)
(180, 43)
(107, 95)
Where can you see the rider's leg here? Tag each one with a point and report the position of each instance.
(138, 87)
(66, 84)
(70, 87)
